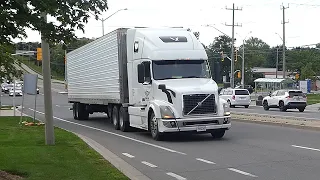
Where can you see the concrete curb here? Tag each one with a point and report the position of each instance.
(128, 170)
(279, 124)
(295, 122)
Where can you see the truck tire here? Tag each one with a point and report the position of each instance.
(124, 119)
(75, 111)
(218, 134)
(154, 128)
(83, 114)
(115, 117)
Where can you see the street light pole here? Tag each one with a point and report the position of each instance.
(104, 19)
(242, 71)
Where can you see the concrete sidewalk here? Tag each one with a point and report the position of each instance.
(7, 112)
(313, 107)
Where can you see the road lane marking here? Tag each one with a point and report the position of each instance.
(176, 176)
(115, 134)
(302, 147)
(148, 164)
(242, 172)
(128, 155)
(206, 161)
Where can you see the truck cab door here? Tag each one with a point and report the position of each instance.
(141, 94)
(145, 92)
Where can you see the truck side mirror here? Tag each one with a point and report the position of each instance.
(162, 87)
(141, 73)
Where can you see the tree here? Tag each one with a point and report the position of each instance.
(256, 52)
(7, 65)
(221, 44)
(17, 15)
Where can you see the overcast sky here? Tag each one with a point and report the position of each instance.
(262, 17)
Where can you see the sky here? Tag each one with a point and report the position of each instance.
(262, 18)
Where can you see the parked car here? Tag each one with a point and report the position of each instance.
(236, 97)
(285, 99)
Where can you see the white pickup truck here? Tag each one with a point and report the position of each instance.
(152, 79)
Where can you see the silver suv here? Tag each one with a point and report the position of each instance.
(285, 99)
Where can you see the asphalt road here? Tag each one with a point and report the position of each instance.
(248, 151)
(276, 111)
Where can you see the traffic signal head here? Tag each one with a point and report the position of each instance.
(222, 56)
(239, 74)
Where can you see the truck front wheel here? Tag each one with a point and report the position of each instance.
(218, 134)
(154, 128)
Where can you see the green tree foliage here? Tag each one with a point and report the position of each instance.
(17, 15)
(7, 65)
(256, 52)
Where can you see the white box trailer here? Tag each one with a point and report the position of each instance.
(153, 79)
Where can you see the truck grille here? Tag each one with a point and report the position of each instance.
(190, 101)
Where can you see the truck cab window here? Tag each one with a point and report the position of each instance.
(179, 69)
(144, 75)
(147, 74)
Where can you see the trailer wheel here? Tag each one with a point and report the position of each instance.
(124, 119)
(83, 114)
(75, 111)
(115, 117)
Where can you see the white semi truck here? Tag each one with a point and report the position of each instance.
(153, 79)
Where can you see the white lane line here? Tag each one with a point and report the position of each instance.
(206, 161)
(176, 176)
(148, 164)
(128, 155)
(115, 134)
(302, 147)
(242, 172)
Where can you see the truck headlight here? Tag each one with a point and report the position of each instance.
(226, 109)
(166, 112)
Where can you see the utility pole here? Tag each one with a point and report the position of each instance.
(46, 71)
(242, 70)
(277, 62)
(232, 45)
(284, 41)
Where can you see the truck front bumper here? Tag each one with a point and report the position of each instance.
(194, 124)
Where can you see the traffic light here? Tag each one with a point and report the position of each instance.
(239, 75)
(222, 59)
(297, 76)
(39, 54)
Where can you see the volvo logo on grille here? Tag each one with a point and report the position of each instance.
(200, 103)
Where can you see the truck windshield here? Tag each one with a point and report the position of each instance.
(176, 69)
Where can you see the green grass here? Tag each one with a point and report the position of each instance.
(313, 98)
(38, 69)
(23, 152)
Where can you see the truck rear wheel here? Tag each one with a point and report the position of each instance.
(83, 114)
(75, 111)
(115, 117)
(124, 119)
